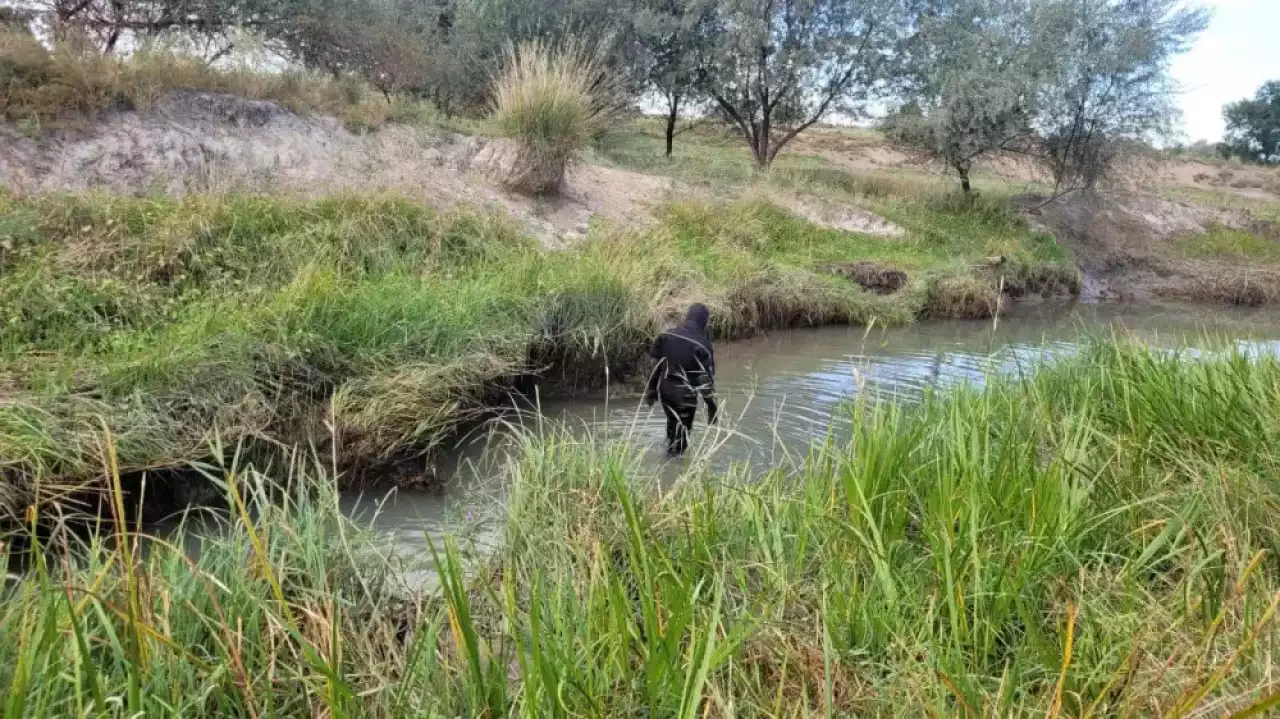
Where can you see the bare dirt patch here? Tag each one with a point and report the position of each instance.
(206, 142)
(1123, 245)
(1258, 183)
(836, 216)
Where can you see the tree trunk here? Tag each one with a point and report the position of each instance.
(672, 115)
(763, 158)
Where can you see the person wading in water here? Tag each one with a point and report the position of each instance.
(686, 369)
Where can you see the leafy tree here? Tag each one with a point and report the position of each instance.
(108, 22)
(1109, 84)
(1253, 126)
(15, 20)
(473, 43)
(775, 67)
(385, 41)
(671, 34)
(971, 70)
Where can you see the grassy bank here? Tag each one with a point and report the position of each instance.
(382, 324)
(1099, 540)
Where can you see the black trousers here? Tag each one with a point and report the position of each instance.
(680, 404)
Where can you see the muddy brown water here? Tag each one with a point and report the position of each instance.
(786, 390)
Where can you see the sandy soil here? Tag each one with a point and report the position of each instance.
(202, 142)
(1258, 183)
(1122, 243)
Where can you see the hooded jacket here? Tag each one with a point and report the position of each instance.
(685, 355)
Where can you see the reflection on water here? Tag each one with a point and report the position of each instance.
(782, 391)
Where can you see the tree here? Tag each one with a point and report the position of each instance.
(1253, 126)
(1109, 84)
(972, 70)
(670, 34)
(775, 67)
(472, 45)
(108, 22)
(384, 41)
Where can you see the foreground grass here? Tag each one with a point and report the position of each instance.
(1099, 540)
(384, 324)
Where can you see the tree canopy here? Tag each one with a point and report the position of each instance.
(776, 67)
(1253, 126)
(1065, 82)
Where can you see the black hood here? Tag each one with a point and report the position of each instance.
(697, 317)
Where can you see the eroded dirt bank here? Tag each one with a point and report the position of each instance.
(1128, 247)
(197, 142)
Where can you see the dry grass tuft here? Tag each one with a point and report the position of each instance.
(962, 296)
(552, 101)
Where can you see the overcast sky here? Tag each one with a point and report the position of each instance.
(1239, 52)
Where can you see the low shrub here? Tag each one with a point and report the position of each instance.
(552, 101)
(42, 88)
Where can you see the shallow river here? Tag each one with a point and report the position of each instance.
(782, 391)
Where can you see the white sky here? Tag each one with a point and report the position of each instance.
(1239, 52)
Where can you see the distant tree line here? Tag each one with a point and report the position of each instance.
(1253, 127)
(1065, 82)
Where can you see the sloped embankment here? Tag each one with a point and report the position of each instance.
(200, 142)
(1133, 246)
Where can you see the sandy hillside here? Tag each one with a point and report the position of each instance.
(864, 150)
(202, 142)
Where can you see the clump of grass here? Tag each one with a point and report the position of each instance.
(962, 295)
(74, 82)
(871, 185)
(287, 607)
(553, 101)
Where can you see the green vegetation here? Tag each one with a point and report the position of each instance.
(166, 319)
(709, 155)
(1253, 126)
(1097, 540)
(1263, 209)
(73, 83)
(1224, 243)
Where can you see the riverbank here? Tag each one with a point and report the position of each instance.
(1096, 540)
(373, 326)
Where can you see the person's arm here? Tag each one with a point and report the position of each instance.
(707, 358)
(651, 387)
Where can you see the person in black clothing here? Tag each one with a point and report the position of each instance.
(686, 369)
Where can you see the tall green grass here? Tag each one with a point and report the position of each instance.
(1096, 540)
(374, 323)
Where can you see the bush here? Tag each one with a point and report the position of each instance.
(553, 102)
(74, 81)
